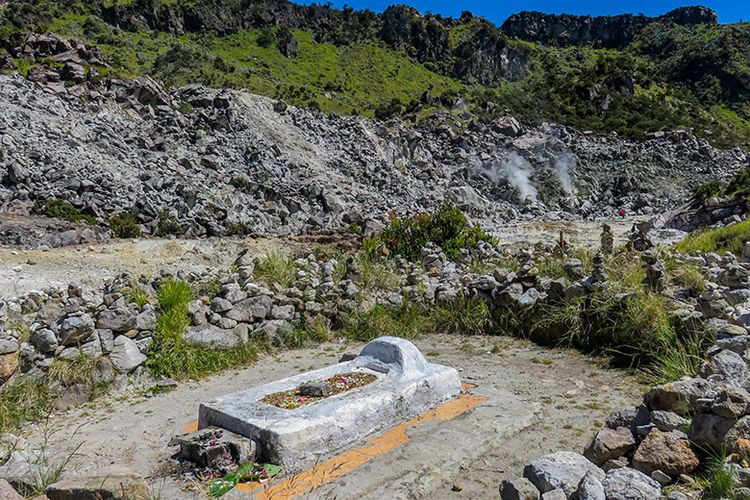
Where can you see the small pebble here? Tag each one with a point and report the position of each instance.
(457, 487)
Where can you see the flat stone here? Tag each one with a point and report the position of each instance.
(212, 337)
(251, 309)
(7, 492)
(406, 385)
(561, 470)
(679, 397)
(74, 329)
(120, 319)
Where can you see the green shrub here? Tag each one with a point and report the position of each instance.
(61, 209)
(690, 278)
(740, 183)
(124, 225)
(729, 238)
(167, 225)
(407, 320)
(684, 358)
(713, 189)
(447, 227)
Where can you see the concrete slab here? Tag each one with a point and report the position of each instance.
(406, 386)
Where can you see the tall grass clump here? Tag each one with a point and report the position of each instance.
(463, 316)
(407, 320)
(673, 362)
(23, 401)
(275, 267)
(718, 480)
(447, 227)
(729, 238)
(171, 356)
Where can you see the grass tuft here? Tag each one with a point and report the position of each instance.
(275, 267)
(729, 238)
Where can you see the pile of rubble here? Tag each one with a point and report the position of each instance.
(219, 161)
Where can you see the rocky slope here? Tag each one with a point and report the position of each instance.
(221, 161)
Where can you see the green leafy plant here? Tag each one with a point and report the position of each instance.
(61, 209)
(124, 225)
(244, 473)
(167, 226)
(447, 227)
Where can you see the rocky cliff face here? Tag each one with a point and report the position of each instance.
(613, 32)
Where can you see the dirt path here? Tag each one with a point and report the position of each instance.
(538, 400)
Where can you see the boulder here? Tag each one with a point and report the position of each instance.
(664, 452)
(44, 340)
(120, 319)
(518, 488)
(679, 397)
(210, 447)
(125, 355)
(709, 430)
(74, 329)
(8, 364)
(590, 488)
(609, 444)
(630, 484)
(667, 421)
(104, 484)
(251, 309)
(732, 367)
(212, 337)
(561, 470)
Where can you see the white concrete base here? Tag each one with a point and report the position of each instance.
(406, 386)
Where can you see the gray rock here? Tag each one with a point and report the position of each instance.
(146, 319)
(679, 397)
(9, 345)
(44, 340)
(708, 430)
(518, 488)
(125, 355)
(106, 339)
(562, 470)
(732, 367)
(251, 309)
(667, 421)
(74, 329)
(120, 319)
(555, 494)
(220, 305)
(212, 337)
(630, 484)
(591, 488)
(282, 312)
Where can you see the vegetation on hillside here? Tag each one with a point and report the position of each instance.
(355, 62)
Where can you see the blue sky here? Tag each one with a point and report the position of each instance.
(497, 11)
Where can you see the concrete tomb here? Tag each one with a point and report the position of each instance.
(404, 385)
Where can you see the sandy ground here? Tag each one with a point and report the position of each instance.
(539, 400)
(22, 271)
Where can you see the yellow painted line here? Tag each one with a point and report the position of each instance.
(342, 464)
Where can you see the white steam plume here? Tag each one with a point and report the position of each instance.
(564, 164)
(514, 169)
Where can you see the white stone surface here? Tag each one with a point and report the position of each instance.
(406, 386)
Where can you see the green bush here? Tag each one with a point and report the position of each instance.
(447, 227)
(61, 209)
(713, 189)
(124, 225)
(24, 401)
(740, 183)
(167, 225)
(407, 320)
